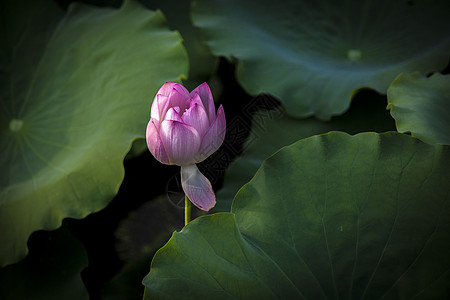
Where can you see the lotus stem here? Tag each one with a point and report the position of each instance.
(187, 210)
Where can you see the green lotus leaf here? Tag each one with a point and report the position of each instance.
(272, 130)
(421, 106)
(329, 217)
(76, 94)
(313, 55)
(51, 271)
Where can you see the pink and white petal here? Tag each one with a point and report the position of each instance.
(181, 142)
(173, 114)
(214, 137)
(197, 187)
(154, 142)
(181, 89)
(179, 96)
(159, 107)
(205, 94)
(195, 98)
(173, 93)
(167, 88)
(196, 117)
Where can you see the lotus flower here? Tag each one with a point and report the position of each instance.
(183, 130)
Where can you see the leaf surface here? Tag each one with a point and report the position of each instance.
(421, 106)
(77, 91)
(314, 55)
(329, 217)
(273, 129)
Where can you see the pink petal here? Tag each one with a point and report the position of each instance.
(167, 88)
(214, 137)
(181, 142)
(207, 99)
(159, 107)
(180, 99)
(173, 114)
(197, 187)
(170, 94)
(196, 116)
(195, 98)
(154, 142)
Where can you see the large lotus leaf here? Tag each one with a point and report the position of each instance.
(51, 271)
(313, 55)
(270, 132)
(421, 106)
(73, 97)
(330, 217)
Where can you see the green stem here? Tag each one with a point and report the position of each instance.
(187, 210)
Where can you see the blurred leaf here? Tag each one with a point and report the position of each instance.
(313, 55)
(126, 285)
(421, 105)
(148, 228)
(74, 98)
(50, 271)
(271, 131)
(138, 237)
(330, 217)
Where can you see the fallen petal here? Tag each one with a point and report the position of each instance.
(197, 187)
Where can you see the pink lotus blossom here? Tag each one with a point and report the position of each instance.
(183, 130)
